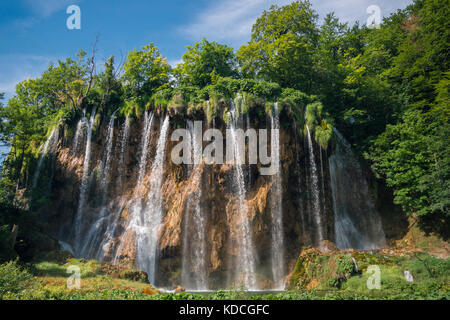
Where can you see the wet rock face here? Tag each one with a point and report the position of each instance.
(218, 202)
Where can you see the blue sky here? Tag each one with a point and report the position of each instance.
(34, 33)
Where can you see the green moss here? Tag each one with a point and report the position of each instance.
(210, 110)
(323, 134)
(225, 117)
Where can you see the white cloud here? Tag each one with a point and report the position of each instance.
(41, 9)
(355, 10)
(228, 20)
(16, 68)
(231, 21)
(45, 8)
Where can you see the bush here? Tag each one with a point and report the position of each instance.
(13, 279)
(6, 252)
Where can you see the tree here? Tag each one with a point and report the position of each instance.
(145, 71)
(203, 61)
(68, 83)
(282, 46)
(413, 153)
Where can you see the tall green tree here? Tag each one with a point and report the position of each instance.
(145, 71)
(413, 154)
(282, 46)
(204, 60)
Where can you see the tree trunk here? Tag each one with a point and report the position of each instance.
(14, 232)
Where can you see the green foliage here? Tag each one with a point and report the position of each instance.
(323, 134)
(318, 122)
(413, 157)
(6, 251)
(145, 71)
(281, 47)
(13, 279)
(204, 62)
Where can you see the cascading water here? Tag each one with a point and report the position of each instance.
(357, 224)
(107, 242)
(96, 231)
(277, 249)
(49, 146)
(300, 182)
(321, 172)
(105, 166)
(147, 128)
(137, 201)
(79, 132)
(147, 224)
(314, 185)
(123, 151)
(194, 273)
(84, 185)
(246, 258)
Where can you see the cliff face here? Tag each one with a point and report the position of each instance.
(202, 239)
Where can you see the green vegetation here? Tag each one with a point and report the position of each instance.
(334, 275)
(48, 280)
(204, 62)
(329, 276)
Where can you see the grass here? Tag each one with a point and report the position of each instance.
(100, 281)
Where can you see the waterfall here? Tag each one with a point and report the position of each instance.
(246, 259)
(110, 232)
(96, 230)
(147, 128)
(314, 185)
(147, 224)
(194, 248)
(94, 235)
(300, 189)
(356, 222)
(49, 145)
(137, 201)
(105, 165)
(276, 206)
(78, 133)
(321, 172)
(84, 184)
(123, 151)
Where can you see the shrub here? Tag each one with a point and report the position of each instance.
(13, 279)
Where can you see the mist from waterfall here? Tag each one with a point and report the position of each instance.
(246, 254)
(84, 185)
(147, 224)
(357, 224)
(314, 185)
(276, 208)
(194, 272)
